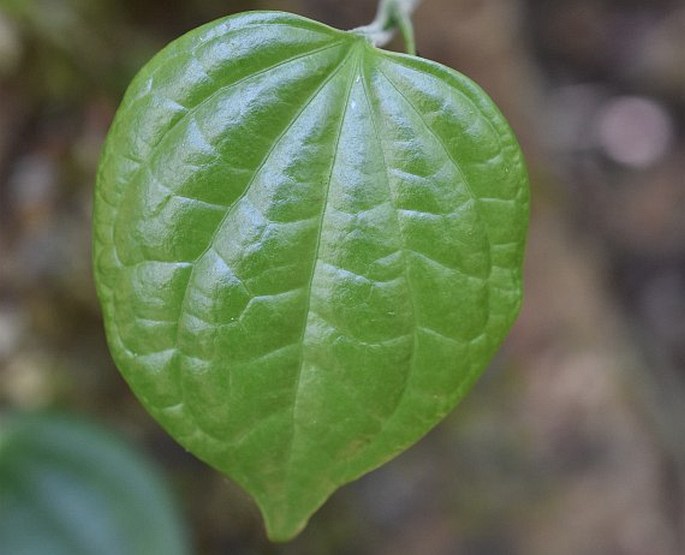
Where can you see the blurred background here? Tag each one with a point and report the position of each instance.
(573, 443)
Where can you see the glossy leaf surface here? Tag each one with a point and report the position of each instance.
(306, 248)
(68, 487)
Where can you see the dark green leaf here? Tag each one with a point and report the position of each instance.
(68, 488)
(307, 249)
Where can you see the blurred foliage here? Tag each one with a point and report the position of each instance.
(69, 488)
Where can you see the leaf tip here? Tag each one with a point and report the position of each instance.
(285, 518)
(283, 526)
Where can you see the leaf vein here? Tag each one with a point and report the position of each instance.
(298, 378)
(412, 299)
(455, 163)
(308, 102)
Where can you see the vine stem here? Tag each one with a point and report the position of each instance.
(392, 15)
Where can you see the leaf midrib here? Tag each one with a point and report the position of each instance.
(356, 48)
(393, 201)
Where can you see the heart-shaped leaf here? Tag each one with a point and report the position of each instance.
(306, 248)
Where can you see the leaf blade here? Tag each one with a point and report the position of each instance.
(305, 274)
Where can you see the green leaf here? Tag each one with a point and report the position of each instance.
(306, 248)
(68, 488)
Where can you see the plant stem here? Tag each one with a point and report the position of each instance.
(392, 15)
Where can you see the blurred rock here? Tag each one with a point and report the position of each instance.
(635, 131)
(27, 382)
